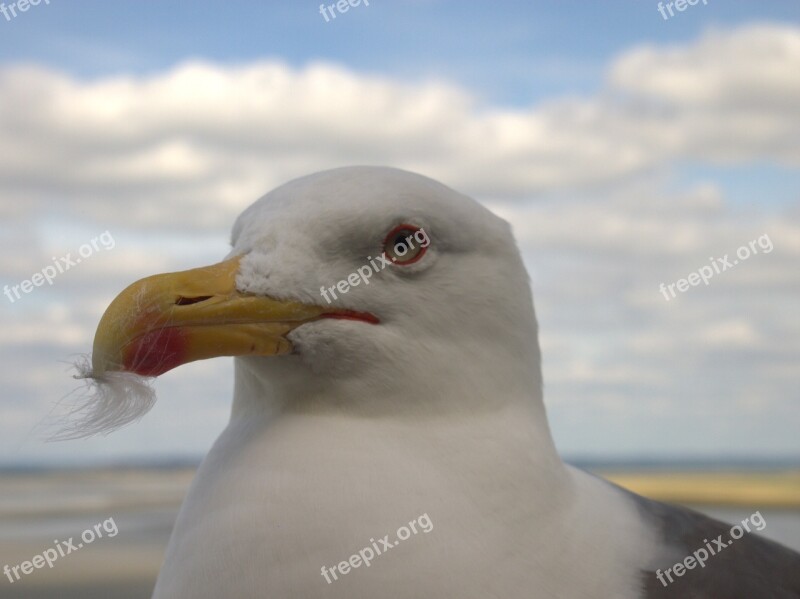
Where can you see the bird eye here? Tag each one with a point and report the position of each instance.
(406, 244)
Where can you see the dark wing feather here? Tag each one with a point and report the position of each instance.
(747, 568)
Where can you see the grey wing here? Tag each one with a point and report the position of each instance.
(750, 567)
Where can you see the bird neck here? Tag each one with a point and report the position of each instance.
(497, 395)
(439, 380)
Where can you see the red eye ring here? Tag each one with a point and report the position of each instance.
(407, 235)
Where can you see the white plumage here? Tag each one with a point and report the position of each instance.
(418, 393)
(436, 410)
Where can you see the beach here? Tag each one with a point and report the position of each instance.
(41, 510)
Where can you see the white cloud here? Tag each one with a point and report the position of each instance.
(749, 67)
(55, 325)
(731, 96)
(166, 162)
(197, 143)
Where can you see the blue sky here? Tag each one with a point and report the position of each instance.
(515, 53)
(625, 149)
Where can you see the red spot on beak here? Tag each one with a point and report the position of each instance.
(156, 352)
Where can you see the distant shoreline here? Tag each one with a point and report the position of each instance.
(774, 489)
(764, 483)
(611, 464)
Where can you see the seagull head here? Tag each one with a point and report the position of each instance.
(353, 283)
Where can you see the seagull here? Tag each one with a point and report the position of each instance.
(387, 367)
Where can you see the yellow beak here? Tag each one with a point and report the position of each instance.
(163, 321)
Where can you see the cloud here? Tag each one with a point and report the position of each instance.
(166, 161)
(197, 143)
(751, 67)
(731, 96)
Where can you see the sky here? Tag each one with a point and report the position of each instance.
(627, 150)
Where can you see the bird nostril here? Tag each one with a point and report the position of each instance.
(187, 301)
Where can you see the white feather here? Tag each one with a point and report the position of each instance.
(106, 403)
